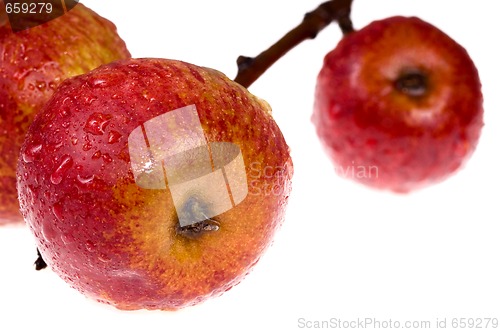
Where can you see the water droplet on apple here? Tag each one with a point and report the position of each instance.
(90, 246)
(89, 100)
(74, 140)
(57, 210)
(87, 146)
(31, 189)
(97, 155)
(146, 96)
(65, 112)
(32, 153)
(103, 258)
(85, 179)
(99, 82)
(114, 137)
(48, 232)
(107, 158)
(64, 166)
(21, 83)
(67, 238)
(41, 85)
(53, 148)
(97, 123)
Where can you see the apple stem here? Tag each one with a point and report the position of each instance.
(250, 69)
(39, 263)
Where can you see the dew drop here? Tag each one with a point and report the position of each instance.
(74, 140)
(103, 258)
(41, 85)
(99, 82)
(31, 189)
(32, 153)
(65, 112)
(65, 239)
(53, 148)
(57, 210)
(90, 246)
(87, 146)
(97, 123)
(89, 100)
(20, 84)
(48, 232)
(107, 158)
(85, 179)
(97, 155)
(64, 166)
(114, 137)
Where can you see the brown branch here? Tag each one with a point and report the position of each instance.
(250, 69)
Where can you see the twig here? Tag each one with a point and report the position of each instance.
(250, 69)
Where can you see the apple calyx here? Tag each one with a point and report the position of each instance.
(199, 228)
(413, 83)
(195, 209)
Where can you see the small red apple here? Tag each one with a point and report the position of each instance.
(153, 183)
(398, 105)
(33, 63)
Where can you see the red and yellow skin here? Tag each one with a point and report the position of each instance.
(33, 64)
(368, 120)
(117, 242)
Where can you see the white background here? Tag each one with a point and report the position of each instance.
(345, 251)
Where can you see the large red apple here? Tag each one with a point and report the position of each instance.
(33, 63)
(124, 179)
(398, 105)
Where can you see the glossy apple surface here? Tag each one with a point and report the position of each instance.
(398, 105)
(33, 63)
(119, 242)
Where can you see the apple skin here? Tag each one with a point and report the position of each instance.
(33, 63)
(387, 129)
(116, 242)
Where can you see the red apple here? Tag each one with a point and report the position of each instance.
(398, 105)
(33, 63)
(116, 183)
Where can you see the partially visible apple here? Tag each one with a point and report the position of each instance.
(398, 105)
(33, 63)
(104, 195)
